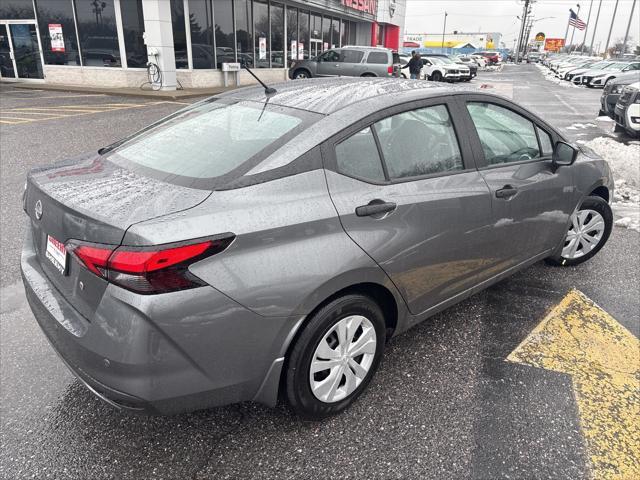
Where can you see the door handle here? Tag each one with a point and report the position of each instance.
(506, 192)
(375, 208)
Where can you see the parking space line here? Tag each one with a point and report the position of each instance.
(603, 358)
(63, 111)
(9, 121)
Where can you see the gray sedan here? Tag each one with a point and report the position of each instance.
(247, 246)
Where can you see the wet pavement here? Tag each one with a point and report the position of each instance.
(445, 403)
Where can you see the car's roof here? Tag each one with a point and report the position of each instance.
(326, 96)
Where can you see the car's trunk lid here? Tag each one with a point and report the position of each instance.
(93, 200)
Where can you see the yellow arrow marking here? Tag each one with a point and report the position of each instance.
(579, 338)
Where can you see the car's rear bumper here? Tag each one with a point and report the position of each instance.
(162, 353)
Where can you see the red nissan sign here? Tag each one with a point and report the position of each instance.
(366, 6)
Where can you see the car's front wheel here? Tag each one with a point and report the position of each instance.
(335, 356)
(301, 73)
(589, 230)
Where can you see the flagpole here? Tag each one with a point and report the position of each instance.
(626, 35)
(595, 27)
(613, 19)
(564, 42)
(586, 29)
(573, 32)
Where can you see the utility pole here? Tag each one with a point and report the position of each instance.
(525, 12)
(573, 32)
(586, 28)
(444, 29)
(626, 35)
(613, 19)
(595, 27)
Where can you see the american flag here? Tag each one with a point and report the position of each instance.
(575, 21)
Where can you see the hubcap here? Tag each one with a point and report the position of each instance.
(342, 359)
(585, 233)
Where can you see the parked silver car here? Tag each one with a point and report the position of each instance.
(349, 62)
(251, 244)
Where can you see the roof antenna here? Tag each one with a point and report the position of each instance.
(268, 91)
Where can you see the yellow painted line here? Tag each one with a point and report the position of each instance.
(603, 358)
(13, 123)
(22, 112)
(55, 110)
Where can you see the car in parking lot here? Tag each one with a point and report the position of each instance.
(260, 242)
(598, 78)
(348, 61)
(627, 110)
(492, 58)
(571, 74)
(612, 91)
(442, 69)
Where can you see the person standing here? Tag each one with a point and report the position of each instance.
(415, 65)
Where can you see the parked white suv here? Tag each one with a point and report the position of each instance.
(440, 69)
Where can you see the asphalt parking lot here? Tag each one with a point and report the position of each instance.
(479, 391)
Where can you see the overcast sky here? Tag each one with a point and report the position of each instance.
(426, 16)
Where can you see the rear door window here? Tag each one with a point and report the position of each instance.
(352, 56)
(419, 142)
(381, 58)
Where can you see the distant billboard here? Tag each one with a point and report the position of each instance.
(553, 44)
(540, 37)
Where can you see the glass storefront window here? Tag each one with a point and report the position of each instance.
(345, 33)
(133, 29)
(98, 33)
(201, 23)
(277, 35)
(353, 33)
(303, 35)
(16, 9)
(224, 36)
(292, 34)
(335, 33)
(244, 37)
(261, 32)
(326, 33)
(57, 32)
(179, 34)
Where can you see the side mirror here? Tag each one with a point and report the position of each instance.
(564, 154)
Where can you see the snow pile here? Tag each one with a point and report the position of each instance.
(551, 76)
(624, 161)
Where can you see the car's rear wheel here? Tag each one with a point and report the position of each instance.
(335, 356)
(589, 230)
(301, 73)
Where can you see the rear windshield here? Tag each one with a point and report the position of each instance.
(213, 140)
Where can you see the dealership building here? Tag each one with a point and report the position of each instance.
(109, 43)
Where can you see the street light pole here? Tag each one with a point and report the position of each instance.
(613, 19)
(523, 23)
(595, 27)
(444, 29)
(586, 28)
(626, 35)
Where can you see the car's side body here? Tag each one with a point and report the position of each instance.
(348, 61)
(298, 243)
(436, 69)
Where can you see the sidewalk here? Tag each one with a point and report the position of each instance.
(128, 92)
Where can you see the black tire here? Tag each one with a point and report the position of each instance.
(618, 128)
(298, 388)
(599, 205)
(436, 77)
(301, 73)
(367, 75)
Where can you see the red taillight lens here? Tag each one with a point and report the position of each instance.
(390, 69)
(147, 270)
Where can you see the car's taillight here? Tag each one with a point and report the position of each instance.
(390, 69)
(147, 270)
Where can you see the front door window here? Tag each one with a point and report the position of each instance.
(26, 51)
(6, 62)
